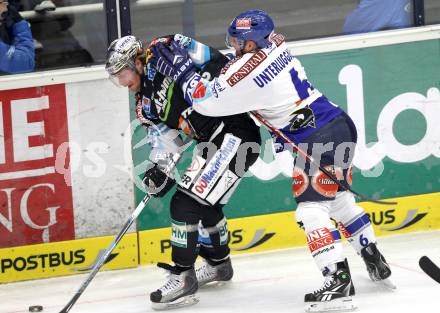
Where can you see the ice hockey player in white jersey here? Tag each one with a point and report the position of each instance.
(265, 77)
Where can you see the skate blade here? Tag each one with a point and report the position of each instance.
(345, 304)
(214, 284)
(387, 283)
(179, 303)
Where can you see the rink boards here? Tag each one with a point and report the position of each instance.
(247, 235)
(280, 230)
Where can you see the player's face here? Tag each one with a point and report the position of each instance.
(234, 43)
(3, 7)
(127, 78)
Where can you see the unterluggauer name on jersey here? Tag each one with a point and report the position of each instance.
(272, 70)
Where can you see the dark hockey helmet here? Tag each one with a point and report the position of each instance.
(122, 54)
(255, 25)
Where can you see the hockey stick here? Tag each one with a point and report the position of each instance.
(309, 158)
(100, 262)
(107, 252)
(430, 268)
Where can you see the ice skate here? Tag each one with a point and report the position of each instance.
(178, 291)
(220, 273)
(377, 267)
(336, 293)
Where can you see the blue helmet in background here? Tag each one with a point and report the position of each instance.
(255, 25)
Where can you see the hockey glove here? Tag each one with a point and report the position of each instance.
(157, 182)
(174, 62)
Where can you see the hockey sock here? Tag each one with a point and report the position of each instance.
(359, 232)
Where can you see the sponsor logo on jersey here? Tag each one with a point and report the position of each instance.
(247, 68)
(185, 181)
(143, 110)
(223, 231)
(273, 69)
(243, 23)
(344, 230)
(300, 182)
(191, 85)
(179, 234)
(177, 58)
(324, 250)
(162, 96)
(183, 67)
(151, 72)
(228, 65)
(146, 107)
(208, 176)
(200, 91)
(303, 118)
(192, 172)
(277, 39)
(323, 184)
(216, 88)
(216, 166)
(319, 238)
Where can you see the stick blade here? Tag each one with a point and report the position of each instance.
(430, 268)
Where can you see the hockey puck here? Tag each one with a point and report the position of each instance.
(35, 308)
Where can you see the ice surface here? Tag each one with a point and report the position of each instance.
(265, 282)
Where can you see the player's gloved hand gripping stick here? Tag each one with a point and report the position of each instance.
(100, 262)
(311, 160)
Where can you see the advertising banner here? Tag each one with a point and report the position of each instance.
(280, 230)
(65, 258)
(35, 201)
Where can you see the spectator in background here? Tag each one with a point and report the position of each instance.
(17, 53)
(58, 46)
(374, 15)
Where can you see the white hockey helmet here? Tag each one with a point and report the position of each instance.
(121, 54)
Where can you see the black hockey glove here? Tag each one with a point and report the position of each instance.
(157, 182)
(174, 62)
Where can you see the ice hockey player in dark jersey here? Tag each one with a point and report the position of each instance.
(227, 147)
(265, 77)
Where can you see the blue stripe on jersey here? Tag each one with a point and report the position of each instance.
(336, 235)
(358, 224)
